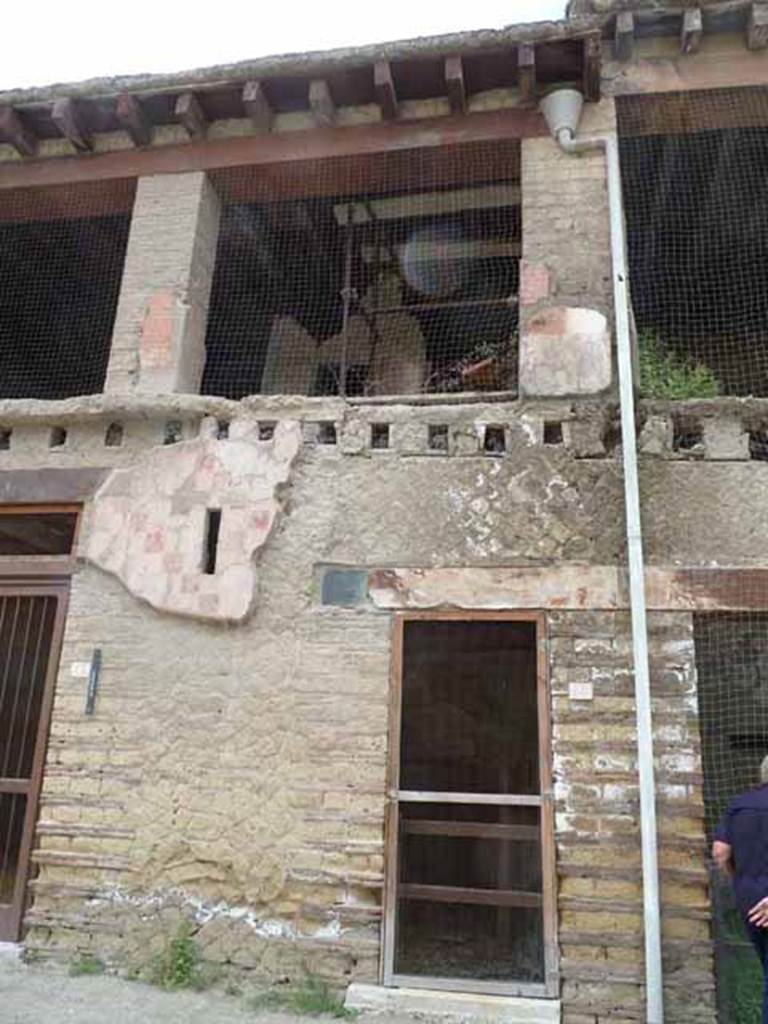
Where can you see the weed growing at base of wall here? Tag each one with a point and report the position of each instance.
(86, 963)
(311, 997)
(178, 966)
(663, 374)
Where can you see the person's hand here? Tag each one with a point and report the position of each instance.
(758, 915)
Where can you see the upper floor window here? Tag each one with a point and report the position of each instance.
(388, 273)
(693, 167)
(61, 260)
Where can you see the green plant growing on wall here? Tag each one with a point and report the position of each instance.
(663, 374)
(178, 966)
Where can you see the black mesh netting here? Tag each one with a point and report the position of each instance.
(391, 273)
(693, 167)
(61, 260)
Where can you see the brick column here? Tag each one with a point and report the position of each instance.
(565, 273)
(158, 344)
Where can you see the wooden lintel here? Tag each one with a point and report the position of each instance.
(454, 83)
(14, 131)
(624, 36)
(277, 147)
(526, 73)
(257, 106)
(592, 64)
(757, 26)
(692, 30)
(384, 86)
(321, 103)
(191, 115)
(68, 119)
(133, 119)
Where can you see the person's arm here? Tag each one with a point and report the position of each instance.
(722, 855)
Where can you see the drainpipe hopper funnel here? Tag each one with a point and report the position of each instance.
(562, 111)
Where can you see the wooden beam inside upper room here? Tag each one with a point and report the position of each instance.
(384, 86)
(454, 84)
(15, 132)
(624, 36)
(526, 73)
(692, 30)
(321, 103)
(592, 66)
(68, 119)
(257, 106)
(757, 27)
(129, 113)
(190, 114)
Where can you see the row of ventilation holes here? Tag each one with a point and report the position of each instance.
(494, 439)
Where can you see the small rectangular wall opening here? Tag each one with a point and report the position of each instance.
(211, 540)
(471, 897)
(62, 250)
(376, 274)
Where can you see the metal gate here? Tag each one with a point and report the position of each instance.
(31, 626)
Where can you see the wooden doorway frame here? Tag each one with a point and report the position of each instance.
(35, 576)
(549, 988)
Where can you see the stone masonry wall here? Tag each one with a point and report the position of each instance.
(236, 774)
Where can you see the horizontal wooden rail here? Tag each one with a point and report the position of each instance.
(418, 796)
(470, 829)
(21, 786)
(482, 897)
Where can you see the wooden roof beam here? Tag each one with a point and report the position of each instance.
(692, 30)
(384, 87)
(526, 73)
(133, 119)
(16, 133)
(757, 27)
(454, 83)
(321, 103)
(624, 36)
(191, 115)
(257, 106)
(68, 119)
(592, 67)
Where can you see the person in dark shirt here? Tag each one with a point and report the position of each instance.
(740, 850)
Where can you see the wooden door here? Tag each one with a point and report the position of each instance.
(31, 626)
(469, 901)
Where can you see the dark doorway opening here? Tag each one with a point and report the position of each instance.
(469, 900)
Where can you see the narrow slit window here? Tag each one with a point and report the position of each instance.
(494, 442)
(437, 437)
(326, 433)
(113, 438)
(553, 432)
(211, 541)
(379, 435)
(5, 438)
(57, 438)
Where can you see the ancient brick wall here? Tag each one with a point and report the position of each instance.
(597, 819)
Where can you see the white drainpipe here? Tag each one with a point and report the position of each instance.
(562, 110)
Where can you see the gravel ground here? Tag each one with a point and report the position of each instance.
(36, 995)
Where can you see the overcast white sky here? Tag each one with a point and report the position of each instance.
(53, 41)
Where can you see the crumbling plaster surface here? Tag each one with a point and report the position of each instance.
(147, 522)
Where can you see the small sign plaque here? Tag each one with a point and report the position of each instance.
(80, 669)
(580, 691)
